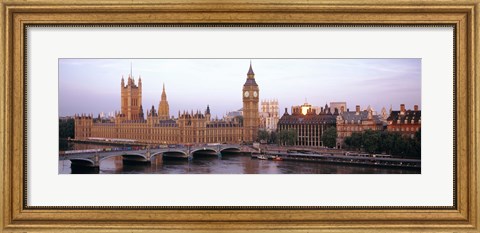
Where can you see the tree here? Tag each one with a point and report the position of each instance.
(354, 141)
(388, 142)
(66, 128)
(287, 137)
(273, 137)
(282, 137)
(291, 137)
(263, 135)
(371, 141)
(329, 137)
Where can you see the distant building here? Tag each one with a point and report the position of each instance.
(230, 116)
(309, 126)
(349, 122)
(269, 115)
(405, 122)
(304, 108)
(338, 106)
(384, 114)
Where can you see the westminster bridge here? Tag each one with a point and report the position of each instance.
(93, 158)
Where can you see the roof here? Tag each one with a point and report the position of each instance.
(222, 124)
(307, 119)
(250, 70)
(362, 116)
(250, 82)
(165, 123)
(408, 115)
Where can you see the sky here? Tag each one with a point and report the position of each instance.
(92, 86)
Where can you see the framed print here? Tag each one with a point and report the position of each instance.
(208, 116)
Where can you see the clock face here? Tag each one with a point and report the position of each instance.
(246, 94)
(255, 94)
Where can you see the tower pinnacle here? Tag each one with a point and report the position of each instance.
(163, 107)
(250, 73)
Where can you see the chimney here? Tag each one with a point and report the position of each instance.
(402, 108)
(415, 107)
(357, 109)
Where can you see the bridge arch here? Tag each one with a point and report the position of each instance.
(84, 162)
(203, 152)
(152, 155)
(230, 149)
(174, 155)
(110, 156)
(135, 157)
(203, 149)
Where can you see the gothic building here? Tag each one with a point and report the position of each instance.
(158, 127)
(131, 99)
(269, 115)
(250, 107)
(163, 109)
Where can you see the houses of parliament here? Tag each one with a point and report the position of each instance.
(158, 127)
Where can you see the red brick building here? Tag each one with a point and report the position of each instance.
(405, 122)
(358, 121)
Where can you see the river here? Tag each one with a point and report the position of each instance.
(225, 164)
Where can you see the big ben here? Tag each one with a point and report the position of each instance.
(250, 95)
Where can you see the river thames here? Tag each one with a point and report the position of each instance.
(230, 165)
(225, 164)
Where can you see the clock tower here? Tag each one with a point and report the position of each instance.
(250, 94)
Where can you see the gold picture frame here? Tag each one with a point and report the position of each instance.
(17, 216)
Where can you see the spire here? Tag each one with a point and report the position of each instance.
(164, 94)
(141, 112)
(250, 77)
(250, 71)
